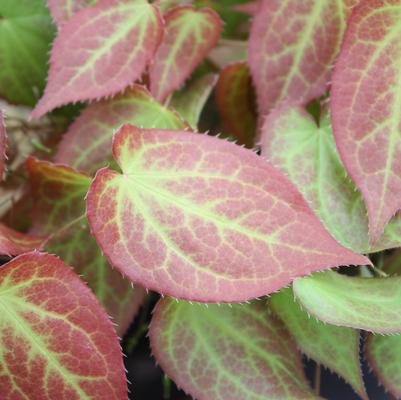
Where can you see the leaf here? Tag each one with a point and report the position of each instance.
(392, 263)
(235, 102)
(305, 150)
(56, 340)
(251, 7)
(365, 108)
(62, 10)
(100, 51)
(335, 347)
(15, 243)
(189, 102)
(227, 52)
(60, 210)
(292, 47)
(384, 357)
(26, 31)
(372, 304)
(224, 352)
(189, 36)
(87, 144)
(199, 218)
(3, 145)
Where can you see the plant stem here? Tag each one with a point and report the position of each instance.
(166, 388)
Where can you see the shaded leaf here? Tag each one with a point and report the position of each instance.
(190, 35)
(56, 340)
(227, 52)
(373, 304)
(230, 353)
(62, 10)
(87, 144)
(15, 243)
(100, 51)
(392, 263)
(365, 106)
(3, 145)
(26, 32)
(335, 347)
(235, 102)
(292, 47)
(197, 217)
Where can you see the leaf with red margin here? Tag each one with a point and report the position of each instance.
(292, 47)
(56, 340)
(190, 35)
(235, 100)
(365, 107)
(15, 243)
(335, 347)
(3, 145)
(189, 101)
(100, 51)
(384, 357)
(60, 210)
(199, 218)
(222, 352)
(87, 144)
(62, 10)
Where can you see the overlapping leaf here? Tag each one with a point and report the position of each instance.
(100, 51)
(366, 105)
(56, 340)
(292, 47)
(335, 347)
(87, 144)
(189, 102)
(373, 304)
(228, 51)
(62, 10)
(230, 353)
(196, 217)
(305, 150)
(190, 35)
(384, 356)
(60, 211)
(235, 102)
(26, 32)
(3, 145)
(15, 243)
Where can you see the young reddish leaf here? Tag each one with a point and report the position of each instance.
(292, 47)
(62, 10)
(100, 51)
(14, 243)
(222, 352)
(372, 304)
(305, 150)
(199, 218)
(56, 340)
(335, 347)
(3, 145)
(366, 108)
(60, 210)
(190, 35)
(189, 102)
(87, 144)
(235, 102)
(384, 356)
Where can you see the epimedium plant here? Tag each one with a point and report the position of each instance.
(229, 156)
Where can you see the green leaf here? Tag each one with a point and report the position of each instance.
(223, 352)
(26, 32)
(335, 347)
(373, 304)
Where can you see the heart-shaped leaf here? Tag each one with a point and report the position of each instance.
(3, 145)
(292, 47)
(100, 51)
(87, 144)
(197, 217)
(190, 35)
(223, 352)
(56, 340)
(365, 106)
(62, 10)
(335, 347)
(14, 243)
(373, 304)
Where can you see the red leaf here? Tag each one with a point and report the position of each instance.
(190, 35)
(100, 51)
(196, 217)
(3, 145)
(14, 243)
(365, 108)
(292, 47)
(56, 340)
(62, 10)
